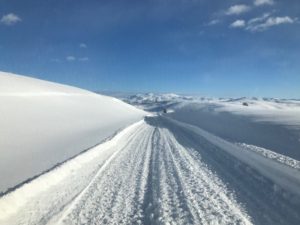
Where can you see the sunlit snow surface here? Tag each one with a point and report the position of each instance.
(265, 122)
(43, 124)
(160, 171)
(205, 161)
(281, 111)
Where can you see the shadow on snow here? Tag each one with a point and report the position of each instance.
(264, 201)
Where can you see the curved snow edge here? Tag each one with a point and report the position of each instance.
(44, 124)
(59, 164)
(286, 177)
(15, 199)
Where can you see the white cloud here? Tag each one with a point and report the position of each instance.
(263, 2)
(213, 22)
(238, 24)
(270, 22)
(82, 45)
(84, 59)
(70, 58)
(238, 9)
(10, 19)
(259, 19)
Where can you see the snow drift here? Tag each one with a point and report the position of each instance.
(44, 123)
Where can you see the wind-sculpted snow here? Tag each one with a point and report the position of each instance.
(160, 171)
(43, 124)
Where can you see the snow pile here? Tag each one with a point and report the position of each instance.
(44, 123)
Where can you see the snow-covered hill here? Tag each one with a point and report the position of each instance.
(281, 111)
(265, 122)
(154, 102)
(44, 123)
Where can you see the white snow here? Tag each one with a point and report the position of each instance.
(160, 171)
(280, 111)
(285, 112)
(272, 155)
(44, 123)
(265, 122)
(286, 177)
(60, 185)
(210, 161)
(141, 176)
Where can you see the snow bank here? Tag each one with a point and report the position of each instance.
(271, 155)
(284, 175)
(44, 123)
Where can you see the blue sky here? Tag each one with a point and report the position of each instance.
(215, 48)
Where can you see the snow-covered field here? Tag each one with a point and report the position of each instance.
(206, 161)
(281, 111)
(265, 122)
(43, 124)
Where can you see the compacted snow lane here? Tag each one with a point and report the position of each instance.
(154, 180)
(154, 172)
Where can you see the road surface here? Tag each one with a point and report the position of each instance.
(159, 171)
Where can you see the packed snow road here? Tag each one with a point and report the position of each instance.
(159, 171)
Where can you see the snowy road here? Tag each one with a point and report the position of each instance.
(158, 172)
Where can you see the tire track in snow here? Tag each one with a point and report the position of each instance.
(154, 180)
(146, 177)
(165, 200)
(43, 199)
(199, 196)
(116, 194)
(264, 201)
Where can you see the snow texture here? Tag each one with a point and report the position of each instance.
(270, 123)
(44, 123)
(160, 171)
(205, 161)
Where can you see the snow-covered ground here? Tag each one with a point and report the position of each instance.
(43, 124)
(281, 111)
(285, 112)
(206, 161)
(160, 171)
(265, 122)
